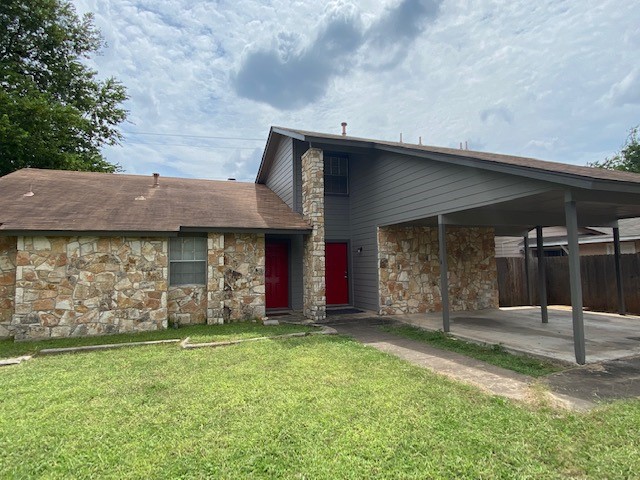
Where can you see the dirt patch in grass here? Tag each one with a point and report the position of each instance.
(197, 334)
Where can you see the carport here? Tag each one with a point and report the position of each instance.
(586, 202)
(518, 329)
(554, 195)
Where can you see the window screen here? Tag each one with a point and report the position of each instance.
(187, 261)
(336, 174)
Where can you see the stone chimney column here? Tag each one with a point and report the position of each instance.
(314, 296)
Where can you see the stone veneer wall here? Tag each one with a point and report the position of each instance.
(244, 290)
(187, 304)
(72, 286)
(8, 247)
(409, 269)
(69, 286)
(215, 278)
(313, 266)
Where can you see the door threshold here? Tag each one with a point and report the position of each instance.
(278, 312)
(345, 310)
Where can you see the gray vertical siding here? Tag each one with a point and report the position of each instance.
(337, 218)
(389, 188)
(280, 177)
(363, 235)
(298, 150)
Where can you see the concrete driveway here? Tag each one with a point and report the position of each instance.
(596, 382)
(519, 329)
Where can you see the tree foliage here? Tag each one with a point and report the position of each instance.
(628, 158)
(54, 111)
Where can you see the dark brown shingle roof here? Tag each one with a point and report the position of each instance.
(525, 163)
(103, 202)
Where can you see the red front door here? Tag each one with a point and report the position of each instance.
(336, 278)
(277, 274)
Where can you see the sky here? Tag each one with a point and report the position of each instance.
(551, 79)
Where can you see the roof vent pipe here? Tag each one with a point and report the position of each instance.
(156, 182)
(30, 192)
(344, 129)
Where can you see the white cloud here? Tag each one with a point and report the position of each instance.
(496, 113)
(538, 70)
(626, 91)
(545, 146)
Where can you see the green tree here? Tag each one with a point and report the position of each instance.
(628, 158)
(54, 111)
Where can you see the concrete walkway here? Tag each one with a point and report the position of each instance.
(492, 379)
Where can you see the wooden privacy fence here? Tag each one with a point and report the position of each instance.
(598, 282)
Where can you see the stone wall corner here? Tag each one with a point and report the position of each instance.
(313, 267)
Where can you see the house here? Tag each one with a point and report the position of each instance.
(592, 240)
(331, 220)
(92, 253)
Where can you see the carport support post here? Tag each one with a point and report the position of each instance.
(542, 275)
(444, 269)
(526, 268)
(616, 250)
(574, 278)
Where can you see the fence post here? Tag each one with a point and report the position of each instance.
(444, 270)
(616, 250)
(526, 269)
(542, 277)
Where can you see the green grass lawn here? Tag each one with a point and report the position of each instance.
(196, 333)
(495, 355)
(312, 407)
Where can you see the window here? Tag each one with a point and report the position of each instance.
(336, 174)
(187, 261)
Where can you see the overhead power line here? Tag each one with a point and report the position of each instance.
(208, 147)
(194, 136)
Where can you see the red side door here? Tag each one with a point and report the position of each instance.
(336, 277)
(277, 274)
